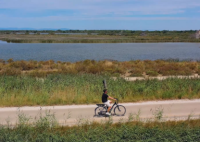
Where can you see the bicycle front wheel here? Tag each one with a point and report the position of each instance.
(120, 110)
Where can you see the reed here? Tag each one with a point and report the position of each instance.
(87, 89)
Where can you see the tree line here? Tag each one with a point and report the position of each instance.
(103, 32)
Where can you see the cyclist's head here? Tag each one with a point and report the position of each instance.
(104, 90)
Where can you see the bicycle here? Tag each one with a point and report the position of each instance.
(119, 110)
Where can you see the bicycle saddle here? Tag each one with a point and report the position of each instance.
(100, 105)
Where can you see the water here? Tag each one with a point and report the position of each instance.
(71, 33)
(20, 33)
(112, 51)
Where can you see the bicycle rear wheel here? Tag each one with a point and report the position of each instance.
(99, 110)
(120, 110)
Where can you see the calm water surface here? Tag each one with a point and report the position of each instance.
(114, 51)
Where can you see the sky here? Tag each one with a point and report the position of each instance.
(101, 14)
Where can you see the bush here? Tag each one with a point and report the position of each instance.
(152, 73)
(10, 71)
(136, 72)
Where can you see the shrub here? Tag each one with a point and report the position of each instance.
(136, 72)
(152, 73)
(2, 61)
(10, 71)
(10, 60)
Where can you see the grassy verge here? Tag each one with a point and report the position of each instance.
(46, 130)
(87, 89)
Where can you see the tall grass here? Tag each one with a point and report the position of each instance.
(89, 132)
(87, 89)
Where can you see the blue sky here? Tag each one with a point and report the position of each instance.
(101, 14)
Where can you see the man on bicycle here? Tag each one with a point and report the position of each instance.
(106, 101)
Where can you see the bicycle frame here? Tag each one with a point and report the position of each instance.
(112, 106)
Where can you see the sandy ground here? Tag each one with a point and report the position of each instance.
(161, 77)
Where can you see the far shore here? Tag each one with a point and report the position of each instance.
(91, 39)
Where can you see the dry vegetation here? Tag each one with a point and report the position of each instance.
(135, 38)
(63, 38)
(114, 68)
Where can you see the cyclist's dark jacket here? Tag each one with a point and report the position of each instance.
(104, 98)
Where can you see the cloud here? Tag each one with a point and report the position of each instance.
(61, 12)
(99, 7)
(80, 18)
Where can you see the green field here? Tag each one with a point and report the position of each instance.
(100, 36)
(32, 83)
(49, 83)
(87, 89)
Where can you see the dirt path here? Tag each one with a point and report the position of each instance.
(161, 77)
(75, 114)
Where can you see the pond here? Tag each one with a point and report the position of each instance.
(73, 52)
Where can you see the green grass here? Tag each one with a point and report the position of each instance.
(43, 131)
(87, 89)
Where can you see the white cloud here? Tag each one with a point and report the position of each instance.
(99, 7)
(74, 18)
